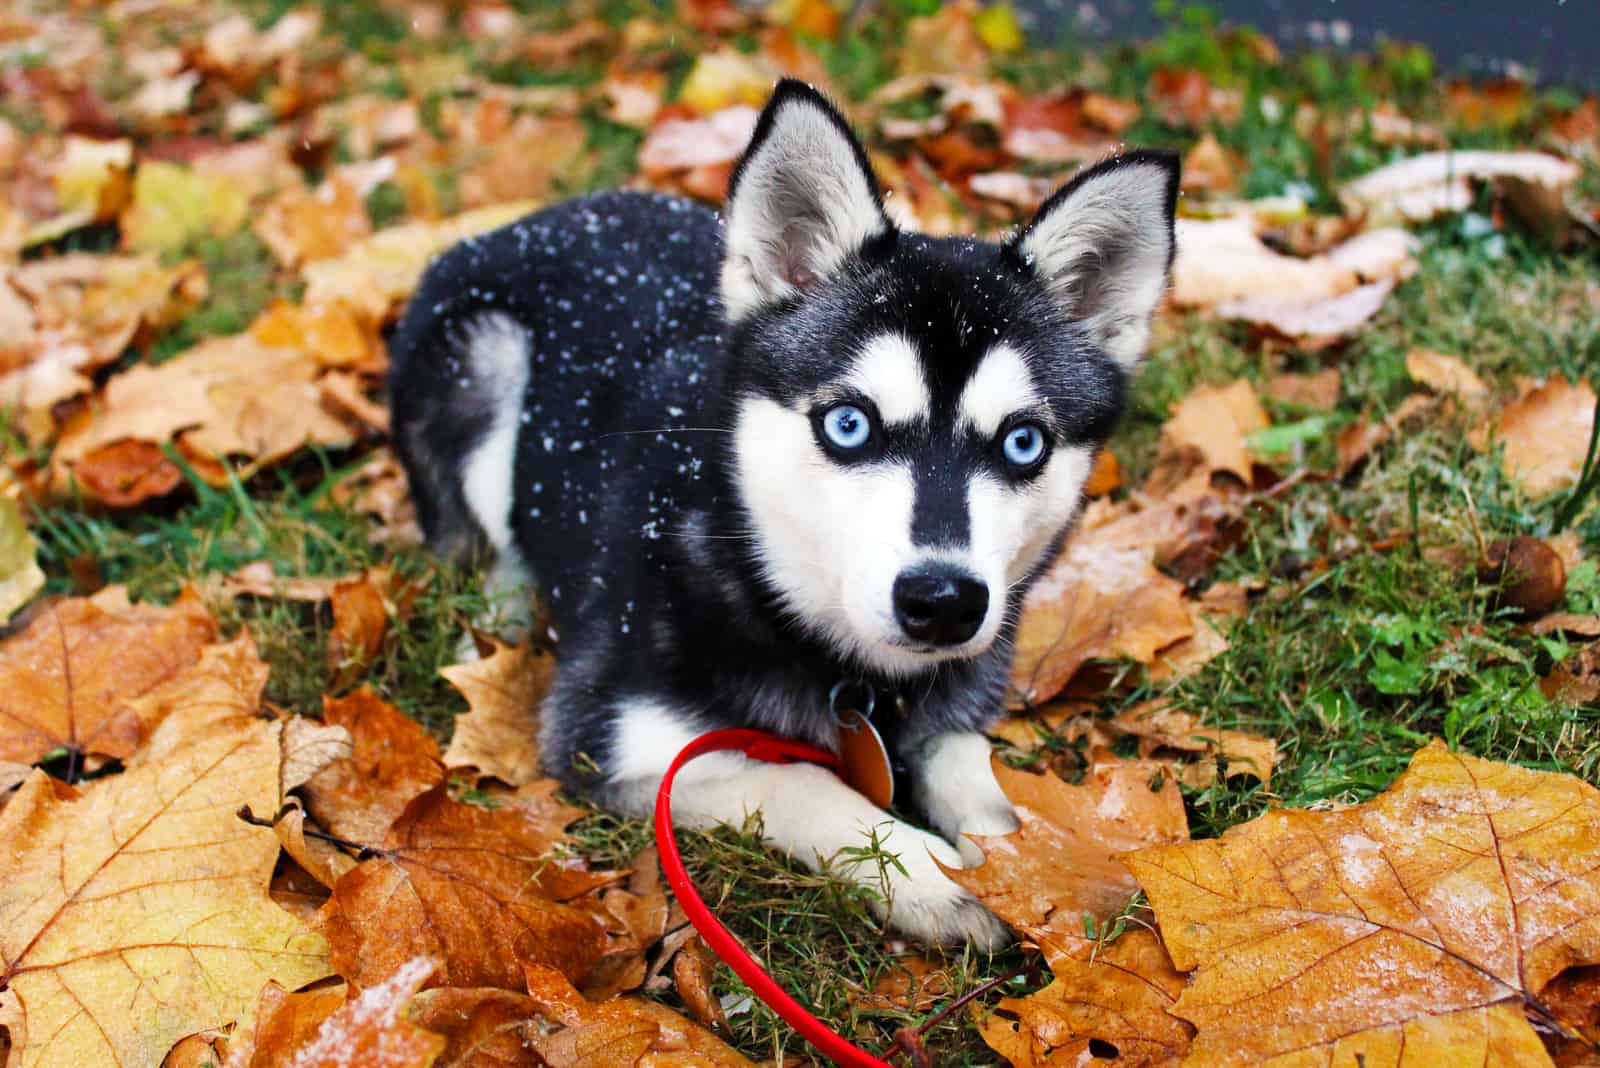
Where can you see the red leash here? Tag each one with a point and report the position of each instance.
(760, 746)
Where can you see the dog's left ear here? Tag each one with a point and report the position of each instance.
(801, 201)
(1103, 244)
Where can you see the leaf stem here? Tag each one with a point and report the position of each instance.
(362, 852)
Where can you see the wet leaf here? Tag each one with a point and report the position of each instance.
(284, 1022)
(372, 1029)
(499, 733)
(482, 1027)
(1108, 1003)
(1431, 918)
(626, 1032)
(137, 913)
(1061, 863)
(469, 886)
(69, 678)
(392, 761)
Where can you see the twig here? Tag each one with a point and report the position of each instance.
(362, 852)
(901, 1045)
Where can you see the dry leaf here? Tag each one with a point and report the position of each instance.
(692, 971)
(173, 205)
(1210, 168)
(331, 332)
(322, 860)
(137, 913)
(472, 887)
(1160, 728)
(1215, 421)
(300, 226)
(1223, 261)
(1060, 864)
(67, 680)
(482, 1027)
(360, 621)
(1417, 189)
(1445, 374)
(228, 397)
(222, 689)
(1545, 434)
(373, 1030)
(1319, 391)
(1115, 995)
(392, 761)
(283, 1023)
(257, 579)
(20, 574)
(1099, 600)
(499, 733)
(1429, 918)
(625, 1032)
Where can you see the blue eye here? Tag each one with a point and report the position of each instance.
(1024, 445)
(846, 426)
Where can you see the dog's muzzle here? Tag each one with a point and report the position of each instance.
(940, 604)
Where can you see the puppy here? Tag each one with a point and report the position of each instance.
(749, 460)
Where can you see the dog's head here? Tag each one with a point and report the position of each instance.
(914, 416)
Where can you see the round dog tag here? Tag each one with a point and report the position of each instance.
(865, 758)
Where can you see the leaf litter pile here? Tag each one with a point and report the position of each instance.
(1304, 728)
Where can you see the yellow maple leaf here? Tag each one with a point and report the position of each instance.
(1429, 920)
(173, 205)
(137, 912)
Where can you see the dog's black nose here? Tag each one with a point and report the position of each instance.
(940, 605)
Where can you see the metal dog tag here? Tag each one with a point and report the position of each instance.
(864, 759)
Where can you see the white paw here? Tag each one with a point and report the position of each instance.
(924, 903)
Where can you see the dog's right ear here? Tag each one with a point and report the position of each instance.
(800, 202)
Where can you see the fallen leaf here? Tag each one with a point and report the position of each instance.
(1210, 168)
(1099, 600)
(1222, 262)
(499, 732)
(472, 887)
(1428, 919)
(360, 621)
(392, 761)
(374, 275)
(1360, 439)
(284, 1022)
(1161, 728)
(1108, 1001)
(911, 983)
(1060, 864)
(137, 913)
(1445, 374)
(1316, 323)
(372, 1029)
(1435, 183)
(257, 579)
(1318, 392)
(301, 225)
(679, 144)
(1545, 435)
(20, 574)
(623, 1031)
(220, 689)
(1215, 421)
(1569, 623)
(67, 680)
(227, 397)
(331, 332)
(482, 1027)
(723, 79)
(173, 205)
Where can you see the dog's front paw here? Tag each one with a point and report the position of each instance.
(926, 905)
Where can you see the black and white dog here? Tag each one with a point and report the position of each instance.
(749, 458)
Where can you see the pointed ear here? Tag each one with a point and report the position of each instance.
(1103, 244)
(800, 202)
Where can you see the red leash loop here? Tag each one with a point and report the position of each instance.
(760, 746)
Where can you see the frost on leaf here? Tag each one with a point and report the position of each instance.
(137, 913)
(1432, 919)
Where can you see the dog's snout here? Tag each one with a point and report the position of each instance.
(940, 605)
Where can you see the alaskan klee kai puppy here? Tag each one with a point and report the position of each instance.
(749, 458)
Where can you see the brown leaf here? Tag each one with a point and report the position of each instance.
(1161, 728)
(321, 859)
(1117, 994)
(257, 579)
(1223, 264)
(284, 1022)
(1210, 168)
(1545, 435)
(1433, 916)
(1445, 374)
(1099, 600)
(137, 913)
(228, 397)
(472, 887)
(69, 678)
(911, 983)
(499, 733)
(333, 333)
(1319, 391)
(392, 761)
(482, 1027)
(626, 1032)
(692, 971)
(1434, 183)
(1215, 421)
(1061, 862)
(300, 226)
(360, 621)
(372, 1030)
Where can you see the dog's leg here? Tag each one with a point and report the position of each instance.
(953, 780)
(810, 814)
